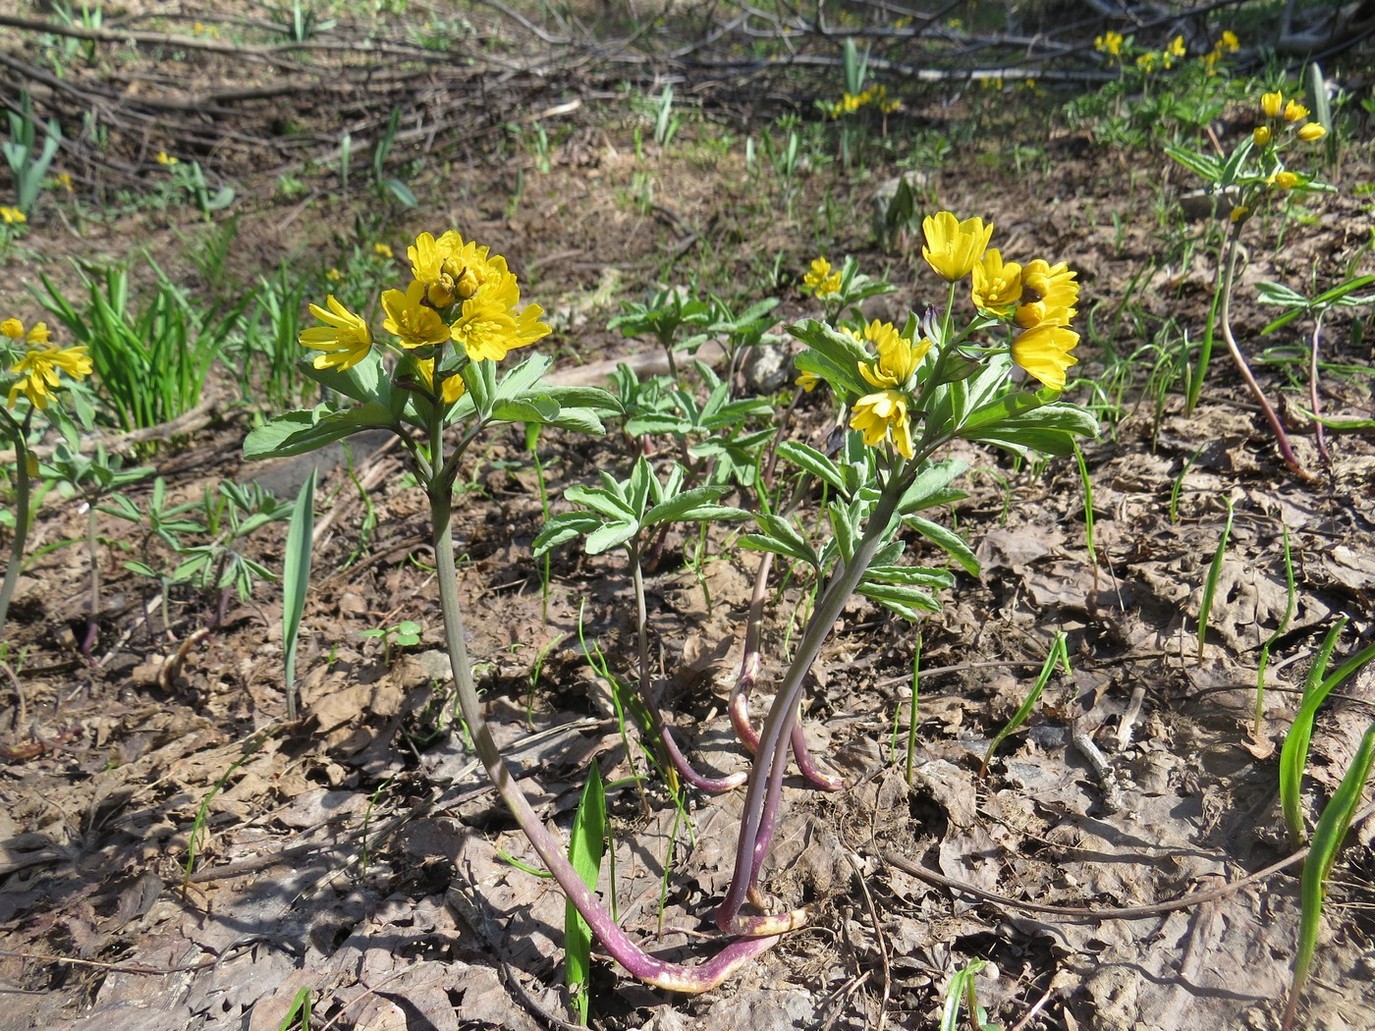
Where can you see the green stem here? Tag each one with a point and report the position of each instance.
(19, 434)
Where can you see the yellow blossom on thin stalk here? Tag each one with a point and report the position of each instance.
(997, 284)
(1109, 43)
(1262, 135)
(166, 160)
(821, 280)
(1310, 132)
(883, 416)
(953, 247)
(898, 357)
(12, 216)
(1044, 351)
(1283, 181)
(807, 381)
(409, 319)
(1294, 112)
(334, 275)
(39, 367)
(344, 339)
(1272, 104)
(1229, 42)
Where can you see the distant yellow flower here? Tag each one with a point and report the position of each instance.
(1146, 61)
(1044, 352)
(1176, 47)
(12, 328)
(808, 381)
(898, 357)
(1109, 43)
(1311, 131)
(489, 325)
(1229, 42)
(1240, 213)
(63, 181)
(38, 368)
(1272, 104)
(1261, 135)
(820, 280)
(997, 284)
(953, 247)
(1294, 112)
(344, 338)
(411, 320)
(12, 216)
(883, 416)
(334, 275)
(383, 250)
(166, 160)
(1283, 181)
(38, 335)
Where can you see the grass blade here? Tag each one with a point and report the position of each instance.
(1214, 574)
(1290, 606)
(585, 849)
(1328, 836)
(1294, 753)
(1059, 653)
(295, 581)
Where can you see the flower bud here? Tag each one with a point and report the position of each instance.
(1261, 135)
(1311, 131)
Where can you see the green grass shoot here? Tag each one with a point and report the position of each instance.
(295, 581)
(1087, 483)
(585, 849)
(963, 991)
(1205, 607)
(251, 747)
(300, 1011)
(1058, 655)
(1328, 836)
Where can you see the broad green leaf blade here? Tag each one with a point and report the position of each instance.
(586, 846)
(608, 536)
(813, 461)
(297, 432)
(948, 539)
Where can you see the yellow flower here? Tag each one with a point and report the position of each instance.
(38, 335)
(334, 276)
(453, 383)
(1283, 181)
(1311, 131)
(1272, 104)
(489, 324)
(1044, 351)
(12, 216)
(427, 266)
(953, 247)
(344, 338)
(1240, 213)
(820, 280)
(411, 320)
(883, 416)
(166, 160)
(1295, 112)
(1109, 43)
(898, 357)
(63, 181)
(383, 250)
(1146, 61)
(469, 266)
(38, 368)
(997, 284)
(1176, 47)
(807, 381)
(1261, 135)
(12, 328)
(1049, 294)
(1229, 41)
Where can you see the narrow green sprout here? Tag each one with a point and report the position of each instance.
(963, 990)
(1087, 484)
(296, 581)
(1328, 836)
(1058, 655)
(912, 710)
(1205, 607)
(300, 1010)
(250, 749)
(586, 845)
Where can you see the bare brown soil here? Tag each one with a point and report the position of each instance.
(359, 854)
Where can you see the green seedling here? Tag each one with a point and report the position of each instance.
(295, 582)
(250, 749)
(963, 991)
(27, 160)
(1057, 656)
(1294, 753)
(405, 634)
(1205, 607)
(1290, 606)
(298, 1016)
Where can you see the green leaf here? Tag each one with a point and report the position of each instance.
(693, 505)
(841, 517)
(296, 581)
(907, 602)
(600, 500)
(929, 488)
(832, 355)
(297, 432)
(813, 461)
(948, 539)
(533, 409)
(563, 528)
(586, 845)
(608, 536)
(780, 537)
(1204, 165)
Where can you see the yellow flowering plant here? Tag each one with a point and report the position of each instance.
(431, 377)
(38, 374)
(1256, 174)
(906, 393)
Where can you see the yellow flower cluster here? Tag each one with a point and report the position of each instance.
(39, 367)
(459, 294)
(820, 280)
(1288, 116)
(12, 216)
(876, 96)
(1109, 43)
(883, 415)
(1037, 298)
